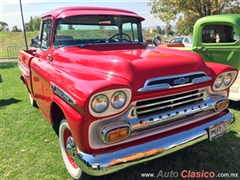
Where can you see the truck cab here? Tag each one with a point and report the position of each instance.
(217, 39)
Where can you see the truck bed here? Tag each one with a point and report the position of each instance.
(26, 55)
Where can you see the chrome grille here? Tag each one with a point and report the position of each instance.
(163, 104)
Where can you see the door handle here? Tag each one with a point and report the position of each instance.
(201, 48)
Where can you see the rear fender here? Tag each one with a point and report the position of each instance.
(25, 74)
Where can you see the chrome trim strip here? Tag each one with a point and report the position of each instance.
(154, 88)
(57, 90)
(201, 80)
(163, 86)
(107, 163)
(22, 69)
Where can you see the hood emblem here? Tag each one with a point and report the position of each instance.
(181, 80)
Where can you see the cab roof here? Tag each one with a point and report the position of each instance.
(88, 10)
(227, 18)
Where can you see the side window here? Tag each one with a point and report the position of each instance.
(218, 34)
(209, 35)
(131, 30)
(46, 34)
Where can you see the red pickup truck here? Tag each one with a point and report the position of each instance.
(113, 100)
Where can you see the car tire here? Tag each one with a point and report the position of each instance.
(73, 169)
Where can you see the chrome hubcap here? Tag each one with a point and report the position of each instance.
(71, 147)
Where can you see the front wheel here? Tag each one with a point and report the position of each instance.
(68, 149)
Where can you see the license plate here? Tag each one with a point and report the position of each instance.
(217, 130)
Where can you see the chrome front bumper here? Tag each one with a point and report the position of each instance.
(111, 162)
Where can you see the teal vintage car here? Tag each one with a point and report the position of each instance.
(217, 39)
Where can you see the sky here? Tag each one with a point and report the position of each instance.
(11, 14)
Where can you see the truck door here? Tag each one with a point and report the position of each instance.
(218, 43)
(40, 73)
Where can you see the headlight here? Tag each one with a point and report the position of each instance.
(109, 102)
(99, 103)
(227, 80)
(218, 82)
(118, 99)
(224, 80)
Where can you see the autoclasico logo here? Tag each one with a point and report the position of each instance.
(198, 174)
(186, 174)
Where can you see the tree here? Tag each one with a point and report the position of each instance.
(163, 31)
(28, 27)
(33, 24)
(188, 11)
(235, 9)
(36, 22)
(168, 29)
(3, 26)
(158, 30)
(164, 10)
(15, 29)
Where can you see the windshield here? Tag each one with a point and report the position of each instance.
(177, 40)
(82, 30)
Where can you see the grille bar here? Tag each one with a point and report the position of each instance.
(159, 105)
(165, 101)
(168, 106)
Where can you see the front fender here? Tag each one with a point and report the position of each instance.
(218, 69)
(74, 119)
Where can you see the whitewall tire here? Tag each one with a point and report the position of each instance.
(64, 135)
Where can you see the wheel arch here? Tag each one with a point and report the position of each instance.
(57, 115)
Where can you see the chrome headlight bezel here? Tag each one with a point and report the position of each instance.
(224, 80)
(111, 108)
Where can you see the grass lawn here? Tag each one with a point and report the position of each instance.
(14, 40)
(30, 148)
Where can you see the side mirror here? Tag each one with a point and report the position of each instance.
(156, 40)
(35, 42)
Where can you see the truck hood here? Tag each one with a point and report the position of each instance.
(136, 64)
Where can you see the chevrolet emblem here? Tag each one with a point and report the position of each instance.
(181, 81)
